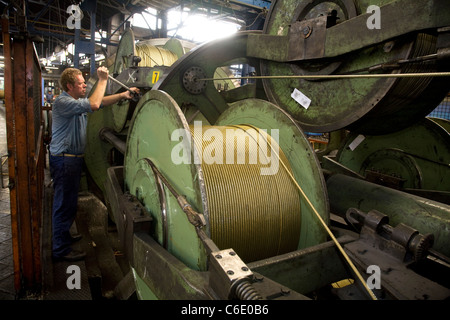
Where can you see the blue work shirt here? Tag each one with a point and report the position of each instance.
(69, 121)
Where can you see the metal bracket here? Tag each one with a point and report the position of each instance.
(140, 77)
(229, 274)
(392, 251)
(130, 215)
(402, 242)
(311, 39)
(307, 39)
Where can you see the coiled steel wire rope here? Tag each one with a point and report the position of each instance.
(258, 215)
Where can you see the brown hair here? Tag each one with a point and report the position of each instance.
(68, 76)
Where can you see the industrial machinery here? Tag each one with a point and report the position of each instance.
(217, 193)
(154, 57)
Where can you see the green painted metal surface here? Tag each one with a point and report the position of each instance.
(159, 275)
(117, 117)
(208, 57)
(425, 215)
(444, 123)
(306, 270)
(397, 18)
(419, 154)
(98, 152)
(123, 110)
(143, 291)
(157, 116)
(177, 46)
(306, 169)
(124, 54)
(371, 106)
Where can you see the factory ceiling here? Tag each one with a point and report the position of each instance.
(47, 20)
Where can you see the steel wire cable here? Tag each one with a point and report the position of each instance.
(152, 56)
(258, 215)
(338, 245)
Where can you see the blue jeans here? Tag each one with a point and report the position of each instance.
(66, 175)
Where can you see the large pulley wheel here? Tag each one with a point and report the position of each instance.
(182, 80)
(154, 140)
(413, 158)
(368, 105)
(156, 117)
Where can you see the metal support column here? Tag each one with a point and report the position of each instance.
(25, 155)
(83, 46)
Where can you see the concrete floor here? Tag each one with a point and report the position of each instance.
(7, 290)
(100, 270)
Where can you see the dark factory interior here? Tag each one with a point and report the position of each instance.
(225, 150)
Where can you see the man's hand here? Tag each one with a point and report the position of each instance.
(128, 95)
(102, 73)
(97, 96)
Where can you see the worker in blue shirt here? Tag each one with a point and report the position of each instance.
(69, 116)
(49, 97)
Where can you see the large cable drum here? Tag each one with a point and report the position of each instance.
(252, 203)
(258, 215)
(415, 158)
(152, 53)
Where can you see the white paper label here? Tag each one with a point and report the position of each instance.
(355, 143)
(301, 98)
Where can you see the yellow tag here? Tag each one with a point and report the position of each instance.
(155, 76)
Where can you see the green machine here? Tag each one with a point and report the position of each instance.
(414, 159)
(154, 56)
(217, 193)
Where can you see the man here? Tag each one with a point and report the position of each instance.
(69, 116)
(49, 97)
